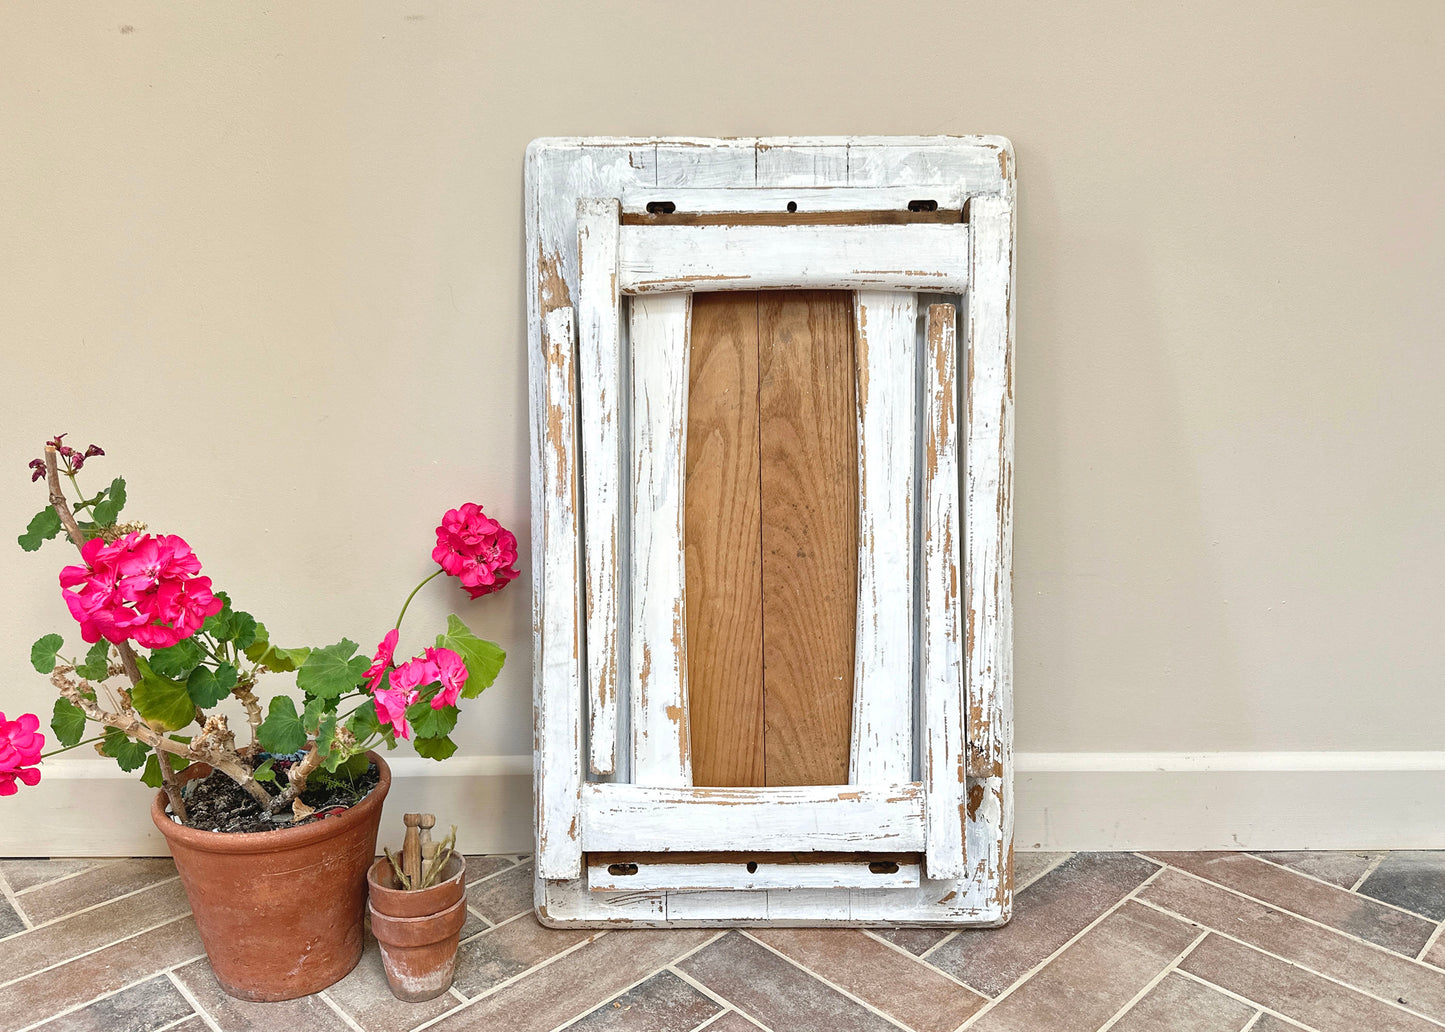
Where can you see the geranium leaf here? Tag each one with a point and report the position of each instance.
(178, 660)
(68, 722)
(220, 625)
(44, 525)
(431, 723)
(483, 658)
(97, 662)
(106, 511)
(435, 748)
(332, 671)
(207, 687)
(263, 653)
(162, 700)
(325, 735)
(125, 750)
(151, 776)
(42, 653)
(244, 630)
(281, 732)
(264, 772)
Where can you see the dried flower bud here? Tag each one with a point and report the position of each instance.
(76, 460)
(38, 470)
(54, 442)
(93, 451)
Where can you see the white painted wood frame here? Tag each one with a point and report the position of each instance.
(964, 882)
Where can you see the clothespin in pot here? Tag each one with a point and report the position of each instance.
(428, 847)
(411, 849)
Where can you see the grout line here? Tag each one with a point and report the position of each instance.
(165, 972)
(748, 933)
(716, 997)
(917, 959)
(1252, 1021)
(124, 938)
(179, 1021)
(712, 1020)
(1296, 964)
(94, 863)
(1029, 974)
(102, 903)
(1370, 900)
(1149, 986)
(1430, 942)
(206, 1018)
(1374, 864)
(1263, 1009)
(1285, 910)
(347, 1018)
(456, 993)
(633, 985)
(1316, 878)
(506, 983)
(934, 948)
(10, 895)
(1064, 858)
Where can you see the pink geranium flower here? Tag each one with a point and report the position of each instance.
(391, 704)
(143, 587)
(452, 672)
(20, 746)
(476, 549)
(383, 659)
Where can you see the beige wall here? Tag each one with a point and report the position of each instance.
(270, 257)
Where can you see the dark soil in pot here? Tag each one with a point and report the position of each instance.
(216, 803)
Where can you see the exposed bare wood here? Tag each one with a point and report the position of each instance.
(809, 534)
(724, 541)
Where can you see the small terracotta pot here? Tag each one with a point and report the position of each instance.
(279, 912)
(418, 930)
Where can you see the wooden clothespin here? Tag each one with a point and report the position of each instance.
(428, 847)
(411, 848)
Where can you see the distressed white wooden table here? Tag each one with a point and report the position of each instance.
(922, 832)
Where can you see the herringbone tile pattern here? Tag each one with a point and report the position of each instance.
(1128, 942)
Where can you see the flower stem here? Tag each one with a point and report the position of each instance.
(414, 590)
(67, 748)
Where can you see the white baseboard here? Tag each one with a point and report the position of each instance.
(1065, 801)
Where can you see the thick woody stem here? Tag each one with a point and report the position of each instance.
(219, 755)
(296, 780)
(248, 699)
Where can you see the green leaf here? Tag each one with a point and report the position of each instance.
(347, 768)
(97, 662)
(281, 731)
(435, 748)
(126, 751)
(263, 653)
(332, 671)
(68, 722)
(264, 772)
(44, 525)
(106, 511)
(162, 700)
(152, 774)
(325, 735)
(244, 630)
(207, 687)
(483, 658)
(178, 660)
(219, 626)
(431, 723)
(42, 653)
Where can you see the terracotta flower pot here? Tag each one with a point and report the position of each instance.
(279, 912)
(418, 930)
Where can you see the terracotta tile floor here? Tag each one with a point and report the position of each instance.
(1131, 942)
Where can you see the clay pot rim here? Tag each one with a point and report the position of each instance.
(269, 841)
(418, 932)
(373, 886)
